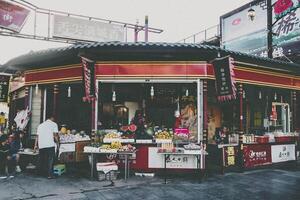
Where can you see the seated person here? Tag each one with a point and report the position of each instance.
(222, 135)
(14, 146)
(4, 150)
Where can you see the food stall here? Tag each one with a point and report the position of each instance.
(99, 88)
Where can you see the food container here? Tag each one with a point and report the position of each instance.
(281, 139)
(262, 139)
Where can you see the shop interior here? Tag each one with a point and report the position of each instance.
(265, 109)
(72, 111)
(163, 106)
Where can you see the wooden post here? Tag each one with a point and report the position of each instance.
(205, 113)
(55, 100)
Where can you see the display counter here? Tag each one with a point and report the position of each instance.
(256, 154)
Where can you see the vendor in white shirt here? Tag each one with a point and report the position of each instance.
(47, 135)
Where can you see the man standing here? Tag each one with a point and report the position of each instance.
(47, 133)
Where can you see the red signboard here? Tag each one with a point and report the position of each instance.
(257, 155)
(89, 78)
(12, 16)
(282, 5)
(230, 156)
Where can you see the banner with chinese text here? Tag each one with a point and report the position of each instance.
(225, 81)
(4, 83)
(89, 79)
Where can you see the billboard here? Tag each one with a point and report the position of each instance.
(241, 34)
(81, 29)
(12, 17)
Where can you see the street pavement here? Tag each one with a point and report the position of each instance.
(269, 184)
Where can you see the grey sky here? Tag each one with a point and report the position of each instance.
(178, 18)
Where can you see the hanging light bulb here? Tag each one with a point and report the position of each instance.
(114, 97)
(244, 94)
(36, 89)
(152, 91)
(259, 95)
(187, 92)
(275, 96)
(69, 91)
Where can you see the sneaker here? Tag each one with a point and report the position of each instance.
(10, 176)
(3, 177)
(18, 169)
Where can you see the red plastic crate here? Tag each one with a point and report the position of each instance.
(262, 139)
(281, 139)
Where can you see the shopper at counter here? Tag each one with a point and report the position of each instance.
(139, 121)
(47, 133)
(222, 135)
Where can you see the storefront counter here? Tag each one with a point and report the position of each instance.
(256, 154)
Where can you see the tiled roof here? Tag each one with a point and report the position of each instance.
(55, 56)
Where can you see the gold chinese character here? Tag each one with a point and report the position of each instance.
(230, 160)
(230, 151)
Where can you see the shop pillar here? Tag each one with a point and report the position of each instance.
(26, 104)
(241, 129)
(93, 113)
(241, 107)
(55, 99)
(205, 113)
(294, 109)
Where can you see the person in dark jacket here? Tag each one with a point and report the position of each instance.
(4, 151)
(14, 147)
(222, 135)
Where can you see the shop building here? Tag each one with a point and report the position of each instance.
(172, 85)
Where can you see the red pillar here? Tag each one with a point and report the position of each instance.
(205, 113)
(93, 104)
(55, 100)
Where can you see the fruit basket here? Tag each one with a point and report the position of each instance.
(262, 139)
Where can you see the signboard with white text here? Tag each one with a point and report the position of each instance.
(81, 29)
(283, 153)
(239, 33)
(156, 160)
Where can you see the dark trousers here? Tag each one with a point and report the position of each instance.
(47, 160)
(3, 162)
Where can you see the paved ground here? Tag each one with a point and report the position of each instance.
(269, 184)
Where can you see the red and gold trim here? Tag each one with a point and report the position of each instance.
(163, 70)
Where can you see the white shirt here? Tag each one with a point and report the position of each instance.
(45, 133)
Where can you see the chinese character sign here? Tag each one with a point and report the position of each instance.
(4, 82)
(225, 81)
(230, 156)
(12, 16)
(89, 78)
